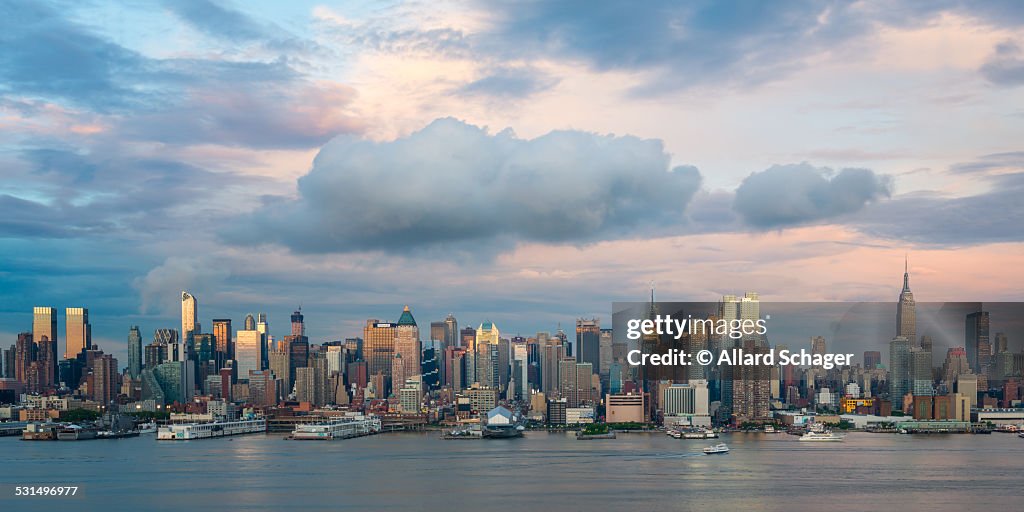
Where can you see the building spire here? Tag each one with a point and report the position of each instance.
(653, 311)
(906, 273)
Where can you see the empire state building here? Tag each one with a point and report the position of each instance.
(906, 317)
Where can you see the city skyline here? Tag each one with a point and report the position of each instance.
(522, 255)
(115, 192)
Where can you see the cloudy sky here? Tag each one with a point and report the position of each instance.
(524, 163)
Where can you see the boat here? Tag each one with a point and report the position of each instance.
(107, 434)
(473, 432)
(148, 427)
(1021, 435)
(503, 431)
(700, 434)
(821, 437)
(186, 431)
(339, 428)
(719, 448)
(769, 429)
(76, 433)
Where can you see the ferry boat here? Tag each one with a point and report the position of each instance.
(340, 428)
(701, 434)
(821, 437)
(148, 427)
(186, 431)
(719, 448)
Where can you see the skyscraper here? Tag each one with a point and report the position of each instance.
(407, 345)
(956, 364)
(1002, 344)
(25, 352)
(906, 316)
(189, 325)
(437, 331)
(379, 347)
(451, 326)
(250, 323)
(487, 371)
(298, 323)
(872, 358)
(44, 332)
(298, 345)
(102, 378)
(519, 368)
(605, 355)
(899, 371)
(249, 349)
(567, 381)
(264, 329)
(222, 335)
(134, 352)
(78, 335)
(976, 339)
(588, 342)
(921, 373)
(44, 323)
(551, 354)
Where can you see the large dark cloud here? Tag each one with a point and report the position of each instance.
(686, 44)
(683, 44)
(264, 103)
(455, 183)
(104, 194)
(786, 195)
(996, 215)
(46, 55)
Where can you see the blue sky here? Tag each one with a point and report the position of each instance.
(525, 163)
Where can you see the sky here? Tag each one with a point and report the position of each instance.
(523, 163)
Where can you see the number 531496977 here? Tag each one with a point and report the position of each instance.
(45, 490)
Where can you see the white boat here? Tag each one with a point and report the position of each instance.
(769, 429)
(719, 448)
(701, 434)
(186, 431)
(339, 428)
(148, 427)
(821, 437)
